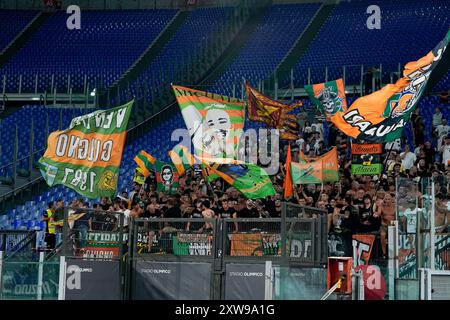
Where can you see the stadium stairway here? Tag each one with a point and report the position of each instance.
(148, 55)
(236, 45)
(439, 79)
(14, 46)
(198, 67)
(408, 31)
(301, 45)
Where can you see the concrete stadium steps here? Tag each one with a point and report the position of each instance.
(25, 35)
(236, 45)
(148, 55)
(301, 45)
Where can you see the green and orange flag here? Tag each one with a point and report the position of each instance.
(167, 178)
(86, 157)
(380, 116)
(329, 97)
(215, 123)
(306, 173)
(249, 179)
(144, 161)
(181, 158)
(330, 164)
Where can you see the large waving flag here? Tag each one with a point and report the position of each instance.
(329, 97)
(145, 162)
(249, 179)
(273, 113)
(86, 157)
(330, 164)
(381, 116)
(181, 158)
(215, 123)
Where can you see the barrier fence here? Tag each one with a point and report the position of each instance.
(165, 258)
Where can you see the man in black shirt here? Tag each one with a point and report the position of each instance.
(276, 212)
(248, 211)
(172, 211)
(152, 211)
(82, 225)
(196, 213)
(105, 204)
(226, 211)
(359, 199)
(350, 223)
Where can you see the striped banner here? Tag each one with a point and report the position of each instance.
(145, 162)
(86, 157)
(215, 123)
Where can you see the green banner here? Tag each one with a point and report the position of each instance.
(86, 157)
(372, 169)
(249, 179)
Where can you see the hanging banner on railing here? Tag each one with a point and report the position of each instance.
(192, 244)
(105, 245)
(362, 248)
(269, 244)
(10, 242)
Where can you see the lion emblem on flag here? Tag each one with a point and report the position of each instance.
(108, 181)
(330, 100)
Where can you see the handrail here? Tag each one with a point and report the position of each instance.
(31, 236)
(57, 249)
(18, 160)
(6, 195)
(406, 264)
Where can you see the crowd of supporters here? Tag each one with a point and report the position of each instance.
(354, 204)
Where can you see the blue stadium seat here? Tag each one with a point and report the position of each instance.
(101, 50)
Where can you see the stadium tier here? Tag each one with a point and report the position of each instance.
(103, 49)
(275, 34)
(12, 22)
(409, 29)
(185, 45)
(42, 119)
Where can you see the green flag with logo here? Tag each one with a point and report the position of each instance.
(86, 157)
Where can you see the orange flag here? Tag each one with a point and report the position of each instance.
(288, 190)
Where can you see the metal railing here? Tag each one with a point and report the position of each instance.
(294, 240)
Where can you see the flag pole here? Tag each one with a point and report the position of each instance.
(382, 171)
(208, 184)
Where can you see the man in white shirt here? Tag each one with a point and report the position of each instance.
(300, 142)
(442, 131)
(445, 149)
(408, 158)
(318, 128)
(437, 118)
